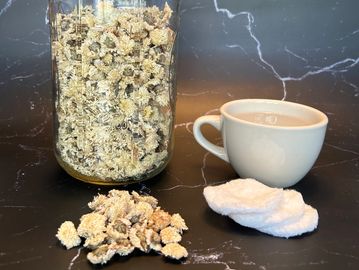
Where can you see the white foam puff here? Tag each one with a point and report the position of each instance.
(274, 211)
(242, 196)
(289, 209)
(307, 223)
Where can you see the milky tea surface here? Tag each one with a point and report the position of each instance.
(273, 119)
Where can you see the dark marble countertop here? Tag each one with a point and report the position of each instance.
(303, 51)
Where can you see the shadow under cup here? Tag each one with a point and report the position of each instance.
(275, 142)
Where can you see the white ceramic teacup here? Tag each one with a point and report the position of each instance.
(275, 142)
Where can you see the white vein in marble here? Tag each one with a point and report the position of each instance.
(352, 85)
(18, 206)
(217, 255)
(340, 66)
(26, 231)
(186, 125)
(6, 7)
(336, 253)
(21, 77)
(20, 261)
(198, 93)
(32, 132)
(39, 159)
(204, 181)
(204, 178)
(29, 41)
(74, 258)
(340, 162)
(295, 55)
(349, 35)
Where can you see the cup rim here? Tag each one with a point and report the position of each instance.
(319, 124)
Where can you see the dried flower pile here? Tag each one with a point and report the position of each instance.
(114, 96)
(122, 222)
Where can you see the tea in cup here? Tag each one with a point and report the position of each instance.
(273, 141)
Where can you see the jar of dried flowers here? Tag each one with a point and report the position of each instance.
(114, 70)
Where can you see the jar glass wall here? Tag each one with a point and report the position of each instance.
(114, 81)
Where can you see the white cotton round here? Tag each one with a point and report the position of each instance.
(307, 223)
(242, 196)
(288, 210)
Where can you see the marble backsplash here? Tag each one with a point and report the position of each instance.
(276, 49)
(304, 51)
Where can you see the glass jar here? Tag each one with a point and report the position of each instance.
(114, 75)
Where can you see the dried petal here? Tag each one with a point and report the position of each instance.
(140, 212)
(101, 255)
(159, 220)
(153, 239)
(174, 251)
(118, 229)
(67, 234)
(145, 198)
(138, 239)
(94, 241)
(123, 247)
(91, 224)
(178, 222)
(170, 235)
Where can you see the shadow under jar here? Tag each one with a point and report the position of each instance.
(114, 81)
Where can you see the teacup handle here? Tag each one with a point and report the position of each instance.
(215, 121)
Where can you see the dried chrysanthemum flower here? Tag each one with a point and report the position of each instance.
(170, 235)
(138, 238)
(97, 203)
(101, 255)
(140, 212)
(123, 247)
(118, 229)
(120, 223)
(68, 236)
(91, 224)
(174, 251)
(118, 207)
(159, 36)
(119, 193)
(106, 70)
(96, 240)
(159, 220)
(145, 198)
(178, 222)
(153, 239)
